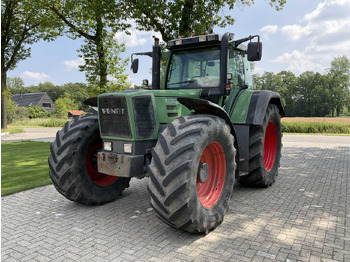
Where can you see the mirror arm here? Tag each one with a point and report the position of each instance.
(240, 41)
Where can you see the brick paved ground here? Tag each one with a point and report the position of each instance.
(304, 216)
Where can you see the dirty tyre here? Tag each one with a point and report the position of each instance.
(264, 150)
(192, 173)
(73, 162)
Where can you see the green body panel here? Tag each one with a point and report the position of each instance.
(238, 110)
(165, 106)
(166, 98)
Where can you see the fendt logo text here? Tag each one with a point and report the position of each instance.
(113, 111)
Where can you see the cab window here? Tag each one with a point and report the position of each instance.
(194, 69)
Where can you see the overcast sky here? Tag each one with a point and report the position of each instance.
(305, 35)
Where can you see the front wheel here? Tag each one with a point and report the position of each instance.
(264, 150)
(192, 173)
(73, 164)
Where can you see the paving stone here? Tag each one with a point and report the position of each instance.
(304, 216)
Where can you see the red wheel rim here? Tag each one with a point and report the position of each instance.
(210, 190)
(91, 166)
(270, 146)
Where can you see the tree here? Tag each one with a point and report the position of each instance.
(339, 82)
(268, 81)
(78, 93)
(184, 17)
(96, 22)
(287, 90)
(23, 22)
(62, 106)
(15, 82)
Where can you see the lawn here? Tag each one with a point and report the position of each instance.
(24, 166)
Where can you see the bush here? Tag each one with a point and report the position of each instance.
(11, 111)
(303, 127)
(63, 105)
(37, 112)
(20, 112)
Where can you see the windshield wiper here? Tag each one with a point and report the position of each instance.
(183, 82)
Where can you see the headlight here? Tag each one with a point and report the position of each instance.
(202, 38)
(107, 146)
(178, 42)
(128, 148)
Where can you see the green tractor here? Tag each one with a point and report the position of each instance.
(192, 134)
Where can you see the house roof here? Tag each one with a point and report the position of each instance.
(29, 99)
(76, 112)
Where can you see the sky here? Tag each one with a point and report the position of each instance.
(305, 36)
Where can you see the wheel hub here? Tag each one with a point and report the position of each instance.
(211, 174)
(203, 172)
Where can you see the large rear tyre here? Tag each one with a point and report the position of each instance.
(192, 173)
(73, 164)
(264, 150)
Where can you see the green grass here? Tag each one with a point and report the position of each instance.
(38, 122)
(13, 130)
(24, 166)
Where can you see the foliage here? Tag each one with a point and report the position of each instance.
(37, 112)
(62, 106)
(97, 22)
(184, 17)
(15, 82)
(315, 127)
(24, 166)
(20, 112)
(311, 94)
(13, 130)
(23, 22)
(35, 122)
(54, 123)
(339, 82)
(10, 108)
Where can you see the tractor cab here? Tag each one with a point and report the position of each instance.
(214, 63)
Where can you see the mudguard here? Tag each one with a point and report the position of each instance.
(92, 101)
(201, 106)
(259, 103)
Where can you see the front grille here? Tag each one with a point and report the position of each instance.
(144, 116)
(114, 117)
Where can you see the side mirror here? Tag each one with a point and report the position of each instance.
(254, 51)
(135, 65)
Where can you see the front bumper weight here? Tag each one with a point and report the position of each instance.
(120, 165)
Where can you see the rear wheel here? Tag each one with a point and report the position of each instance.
(73, 164)
(264, 150)
(192, 173)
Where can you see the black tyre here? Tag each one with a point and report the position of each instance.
(73, 164)
(192, 173)
(264, 150)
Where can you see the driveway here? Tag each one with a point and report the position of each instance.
(304, 216)
(32, 134)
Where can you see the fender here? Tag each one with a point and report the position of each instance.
(92, 101)
(201, 106)
(259, 103)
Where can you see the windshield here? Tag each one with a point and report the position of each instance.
(194, 69)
